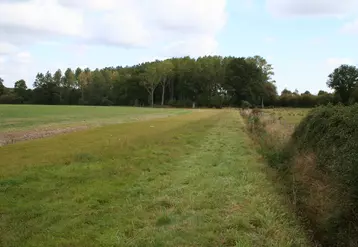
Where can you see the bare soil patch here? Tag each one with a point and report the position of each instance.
(13, 137)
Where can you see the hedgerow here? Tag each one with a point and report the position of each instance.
(330, 133)
(319, 165)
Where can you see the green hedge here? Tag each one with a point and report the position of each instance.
(331, 134)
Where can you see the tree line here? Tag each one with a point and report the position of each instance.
(210, 81)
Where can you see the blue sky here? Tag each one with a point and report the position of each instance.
(304, 40)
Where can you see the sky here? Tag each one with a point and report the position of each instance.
(304, 40)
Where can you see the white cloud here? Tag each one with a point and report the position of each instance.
(351, 27)
(40, 16)
(312, 7)
(172, 27)
(333, 63)
(125, 29)
(127, 23)
(196, 46)
(200, 16)
(7, 48)
(23, 57)
(91, 4)
(2, 60)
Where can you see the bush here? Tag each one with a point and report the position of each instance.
(330, 134)
(180, 103)
(106, 102)
(319, 165)
(245, 104)
(10, 99)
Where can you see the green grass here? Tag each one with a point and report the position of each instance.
(288, 115)
(20, 117)
(190, 180)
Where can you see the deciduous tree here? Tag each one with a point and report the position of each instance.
(344, 80)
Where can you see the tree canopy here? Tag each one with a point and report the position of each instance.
(344, 81)
(210, 81)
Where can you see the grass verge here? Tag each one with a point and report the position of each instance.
(317, 166)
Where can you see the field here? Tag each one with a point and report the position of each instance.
(24, 122)
(188, 180)
(288, 115)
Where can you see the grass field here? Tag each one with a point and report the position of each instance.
(288, 115)
(19, 117)
(27, 122)
(188, 180)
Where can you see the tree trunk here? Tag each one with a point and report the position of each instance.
(163, 93)
(172, 90)
(152, 95)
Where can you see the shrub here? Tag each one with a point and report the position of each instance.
(330, 134)
(319, 165)
(10, 99)
(180, 103)
(245, 104)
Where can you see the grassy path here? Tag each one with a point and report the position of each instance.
(191, 180)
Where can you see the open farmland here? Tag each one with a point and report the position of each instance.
(288, 115)
(188, 180)
(23, 122)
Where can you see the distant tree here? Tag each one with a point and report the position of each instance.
(20, 89)
(265, 67)
(46, 90)
(20, 84)
(286, 92)
(354, 95)
(69, 79)
(151, 79)
(269, 94)
(321, 92)
(209, 81)
(84, 80)
(58, 78)
(343, 80)
(59, 82)
(307, 100)
(2, 87)
(77, 73)
(166, 70)
(245, 80)
(325, 99)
